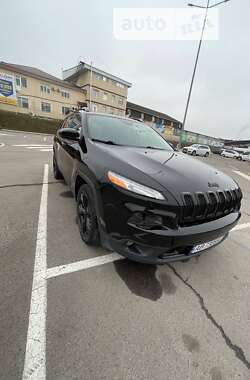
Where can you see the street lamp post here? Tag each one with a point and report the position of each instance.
(207, 7)
(90, 86)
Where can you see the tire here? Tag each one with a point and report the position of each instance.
(207, 154)
(194, 153)
(56, 171)
(86, 216)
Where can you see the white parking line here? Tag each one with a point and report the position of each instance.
(33, 145)
(101, 260)
(242, 174)
(35, 355)
(40, 146)
(83, 264)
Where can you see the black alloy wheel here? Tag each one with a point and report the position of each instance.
(86, 216)
(194, 153)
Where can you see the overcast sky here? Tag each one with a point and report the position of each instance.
(52, 35)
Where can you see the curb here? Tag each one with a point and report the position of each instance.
(33, 133)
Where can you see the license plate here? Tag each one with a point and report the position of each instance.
(209, 244)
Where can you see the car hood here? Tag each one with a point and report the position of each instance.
(175, 171)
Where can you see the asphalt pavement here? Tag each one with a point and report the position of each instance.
(68, 311)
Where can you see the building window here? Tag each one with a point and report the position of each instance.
(45, 107)
(22, 102)
(105, 96)
(113, 99)
(119, 85)
(101, 77)
(120, 101)
(94, 107)
(95, 93)
(21, 81)
(98, 77)
(18, 81)
(45, 88)
(65, 94)
(65, 110)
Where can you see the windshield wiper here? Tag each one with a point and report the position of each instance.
(109, 142)
(154, 147)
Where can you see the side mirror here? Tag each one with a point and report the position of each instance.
(69, 134)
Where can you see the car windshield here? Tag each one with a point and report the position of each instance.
(118, 131)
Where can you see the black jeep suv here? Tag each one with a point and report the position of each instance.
(136, 195)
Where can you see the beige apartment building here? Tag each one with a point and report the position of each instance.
(29, 90)
(104, 92)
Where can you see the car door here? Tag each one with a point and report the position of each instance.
(198, 150)
(202, 150)
(68, 149)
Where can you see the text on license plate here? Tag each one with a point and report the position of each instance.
(209, 244)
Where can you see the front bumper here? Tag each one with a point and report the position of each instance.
(163, 246)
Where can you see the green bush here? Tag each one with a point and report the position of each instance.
(27, 123)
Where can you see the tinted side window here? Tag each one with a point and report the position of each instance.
(64, 124)
(74, 122)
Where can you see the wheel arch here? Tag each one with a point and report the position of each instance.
(82, 179)
(78, 183)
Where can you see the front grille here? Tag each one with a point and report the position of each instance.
(201, 206)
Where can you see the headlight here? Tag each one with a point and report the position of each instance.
(135, 187)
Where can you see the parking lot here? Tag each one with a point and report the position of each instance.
(68, 311)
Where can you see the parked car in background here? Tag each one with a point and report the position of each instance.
(197, 150)
(216, 149)
(244, 156)
(229, 153)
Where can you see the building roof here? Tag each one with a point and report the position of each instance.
(149, 111)
(36, 73)
(82, 66)
(237, 142)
